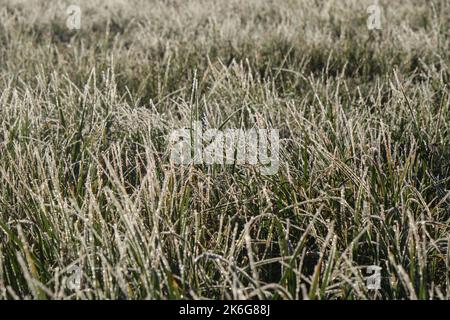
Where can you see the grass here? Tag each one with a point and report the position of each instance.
(85, 176)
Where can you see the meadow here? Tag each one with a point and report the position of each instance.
(92, 207)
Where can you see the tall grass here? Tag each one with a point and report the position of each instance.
(85, 176)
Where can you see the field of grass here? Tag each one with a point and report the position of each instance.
(86, 181)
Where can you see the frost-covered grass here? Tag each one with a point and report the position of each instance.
(85, 176)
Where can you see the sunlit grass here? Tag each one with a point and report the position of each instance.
(85, 176)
